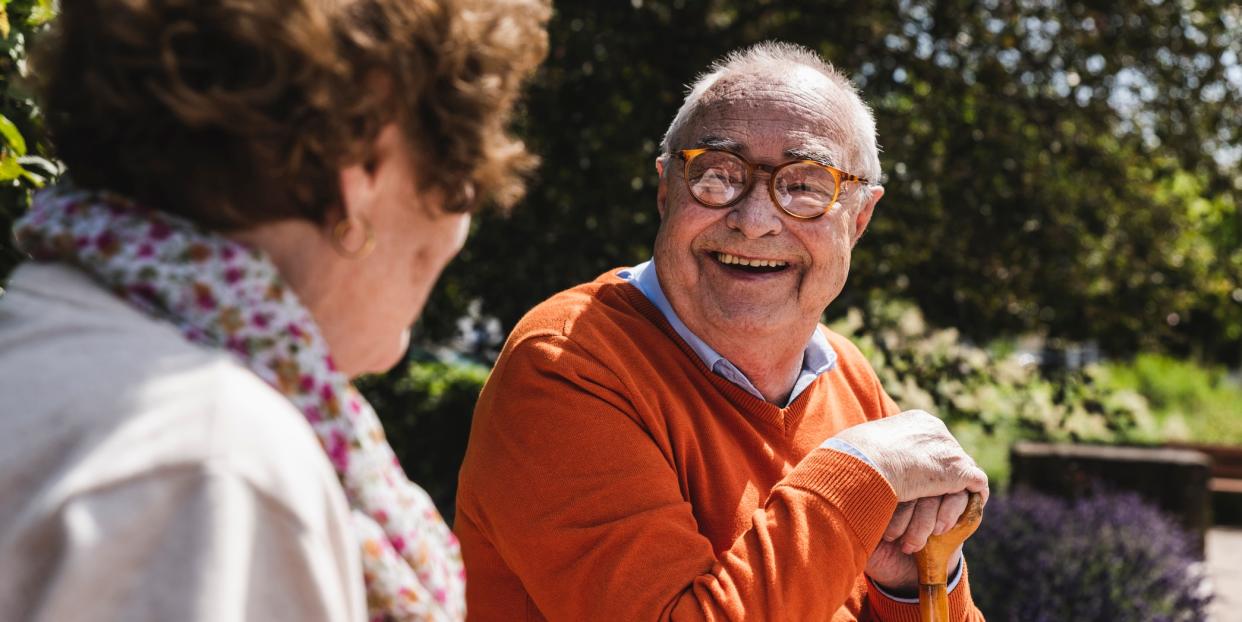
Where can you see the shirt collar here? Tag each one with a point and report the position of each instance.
(817, 358)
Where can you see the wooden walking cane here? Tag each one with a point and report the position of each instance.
(934, 559)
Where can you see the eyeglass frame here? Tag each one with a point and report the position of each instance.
(838, 176)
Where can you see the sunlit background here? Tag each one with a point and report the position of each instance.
(1057, 258)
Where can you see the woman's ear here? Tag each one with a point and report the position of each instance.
(360, 182)
(357, 192)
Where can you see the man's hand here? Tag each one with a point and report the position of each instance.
(916, 454)
(892, 564)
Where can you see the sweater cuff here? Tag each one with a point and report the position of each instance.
(889, 610)
(864, 498)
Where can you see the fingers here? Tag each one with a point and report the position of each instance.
(973, 478)
(914, 522)
(951, 508)
(922, 523)
(901, 520)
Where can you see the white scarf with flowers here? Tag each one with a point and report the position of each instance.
(225, 295)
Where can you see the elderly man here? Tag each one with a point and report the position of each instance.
(682, 440)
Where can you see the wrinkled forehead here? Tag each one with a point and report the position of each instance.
(797, 113)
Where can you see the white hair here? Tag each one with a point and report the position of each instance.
(773, 58)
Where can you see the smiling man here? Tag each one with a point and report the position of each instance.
(682, 439)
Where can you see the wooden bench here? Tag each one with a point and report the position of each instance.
(1173, 479)
(1226, 469)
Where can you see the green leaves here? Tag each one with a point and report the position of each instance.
(13, 158)
(26, 160)
(4, 19)
(41, 12)
(990, 397)
(12, 137)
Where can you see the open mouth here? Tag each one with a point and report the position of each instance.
(750, 266)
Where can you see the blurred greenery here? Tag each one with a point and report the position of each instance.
(426, 407)
(1189, 402)
(25, 162)
(990, 397)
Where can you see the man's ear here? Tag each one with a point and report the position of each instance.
(662, 190)
(871, 196)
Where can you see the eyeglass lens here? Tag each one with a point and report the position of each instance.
(803, 189)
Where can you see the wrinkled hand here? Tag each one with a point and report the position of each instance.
(916, 454)
(931, 475)
(892, 564)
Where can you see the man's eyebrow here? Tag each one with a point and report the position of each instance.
(810, 153)
(718, 142)
(796, 153)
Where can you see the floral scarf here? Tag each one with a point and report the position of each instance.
(224, 295)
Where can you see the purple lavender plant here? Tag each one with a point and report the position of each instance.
(1108, 557)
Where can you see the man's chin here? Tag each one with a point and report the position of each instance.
(759, 321)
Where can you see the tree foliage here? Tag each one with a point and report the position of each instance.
(1063, 167)
(23, 144)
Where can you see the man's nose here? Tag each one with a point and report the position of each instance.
(755, 215)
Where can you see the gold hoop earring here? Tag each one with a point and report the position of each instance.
(343, 228)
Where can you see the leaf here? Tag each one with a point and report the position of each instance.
(49, 167)
(10, 133)
(34, 179)
(42, 12)
(4, 19)
(10, 169)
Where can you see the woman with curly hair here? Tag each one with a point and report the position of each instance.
(263, 193)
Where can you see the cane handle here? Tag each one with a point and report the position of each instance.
(933, 561)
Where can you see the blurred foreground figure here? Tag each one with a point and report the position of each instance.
(262, 195)
(682, 439)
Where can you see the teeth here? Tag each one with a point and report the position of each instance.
(726, 258)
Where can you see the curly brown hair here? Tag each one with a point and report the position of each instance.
(237, 112)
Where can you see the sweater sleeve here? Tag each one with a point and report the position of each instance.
(880, 608)
(572, 492)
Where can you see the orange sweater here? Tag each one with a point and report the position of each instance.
(611, 476)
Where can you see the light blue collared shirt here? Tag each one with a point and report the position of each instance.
(818, 358)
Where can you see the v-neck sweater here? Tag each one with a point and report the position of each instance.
(611, 476)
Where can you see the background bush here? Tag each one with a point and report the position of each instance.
(1189, 401)
(426, 407)
(24, 148)
(1107, 557)
(990, 397)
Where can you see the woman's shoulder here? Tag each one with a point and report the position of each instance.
(100, 393)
